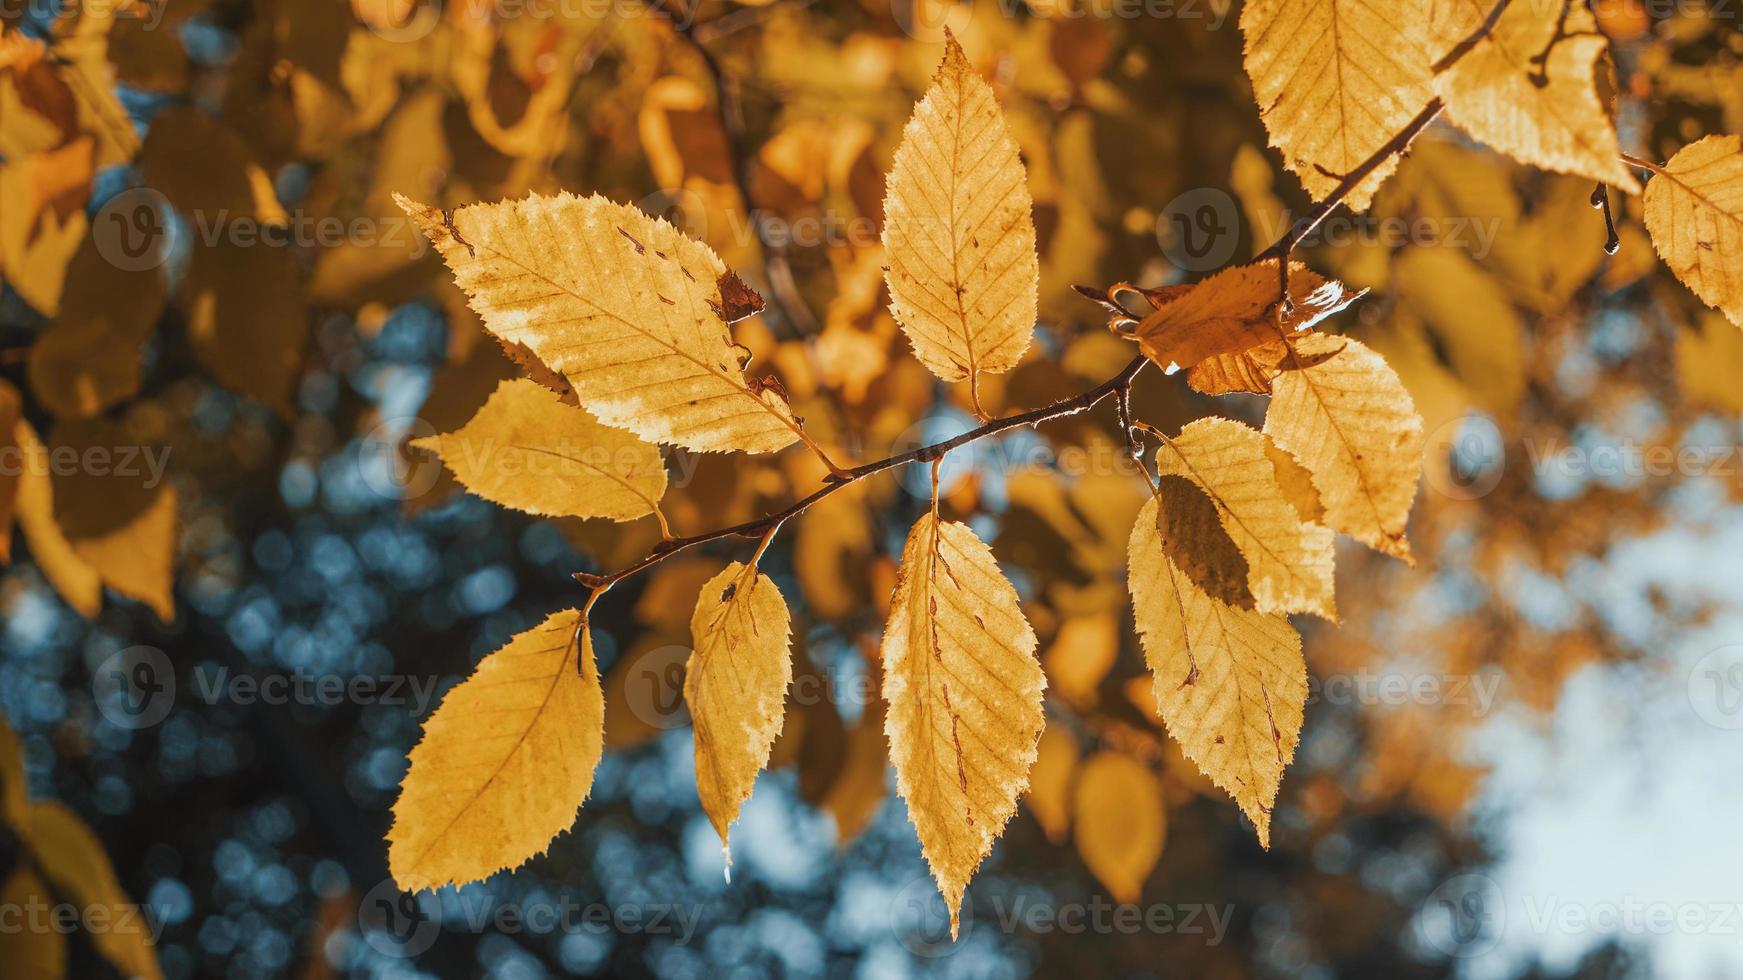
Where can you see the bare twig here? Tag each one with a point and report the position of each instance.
(785, 290)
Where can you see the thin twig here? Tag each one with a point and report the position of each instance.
(784, 289)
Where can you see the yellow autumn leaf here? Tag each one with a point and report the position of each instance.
(1049, 792)
(14, 793)
(1335, 81)
(74, 578)
(1253, 370)
(1231, 683)
(11, 410)
(1528, 87)
(626, 307)
(1694, 212)
(527, 450)
(33, 953)
(1707, 355)
(506, 761)
(119, 514)
(959, 236)
(71, 859)
(736, 686)
(1289, 560)
(1236, 310)
(964, 692)
(1350, 421)
(1120, 822)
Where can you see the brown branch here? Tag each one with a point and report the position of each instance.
(1119, 386)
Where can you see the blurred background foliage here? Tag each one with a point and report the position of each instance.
(294, 537)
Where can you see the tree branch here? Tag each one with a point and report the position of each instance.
(1119, 386)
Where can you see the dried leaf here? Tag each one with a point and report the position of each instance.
(964, 693)
(1234, 311)
(1694, 211)
(1289, 560)
(476, 801)
(1231, 683)
(1350, 421)
(736, 686)
(963, 274)
(527, 450)
(623, 305)
(1529, 87)
(1335, 80)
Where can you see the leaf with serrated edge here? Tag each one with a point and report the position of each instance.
(1289, 560)
(1235, 311)
(527, 450)
(736, 686)
(1335, 80)
(1544, 112)
(505, 763)
(1694, 212)
(1349, 420)
(964, 692)
(958, 233)
(1231, 684)
(624, 306)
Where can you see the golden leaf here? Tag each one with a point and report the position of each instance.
(506, 761)
(1528, 88)
(960, 238)
(623, 305)
(11, 410)
(964, 693)
(14, 791)
(72, 861)
(1234, 311)
(527, 450)
(119, 513)
(1694, 211)
(1335, 80)
(736, 686)
(1350, 421)
(1049, 793)
(1707, 356)
(36, 953)
(1231, 683)
(1289, 560)
(1120, 823)
(76, 581)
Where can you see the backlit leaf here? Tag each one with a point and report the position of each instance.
(964, 693)
(1236, 310)
(1694, 211)
(505, 762)
(963, 274)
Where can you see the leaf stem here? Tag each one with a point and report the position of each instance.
(1634, 161)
